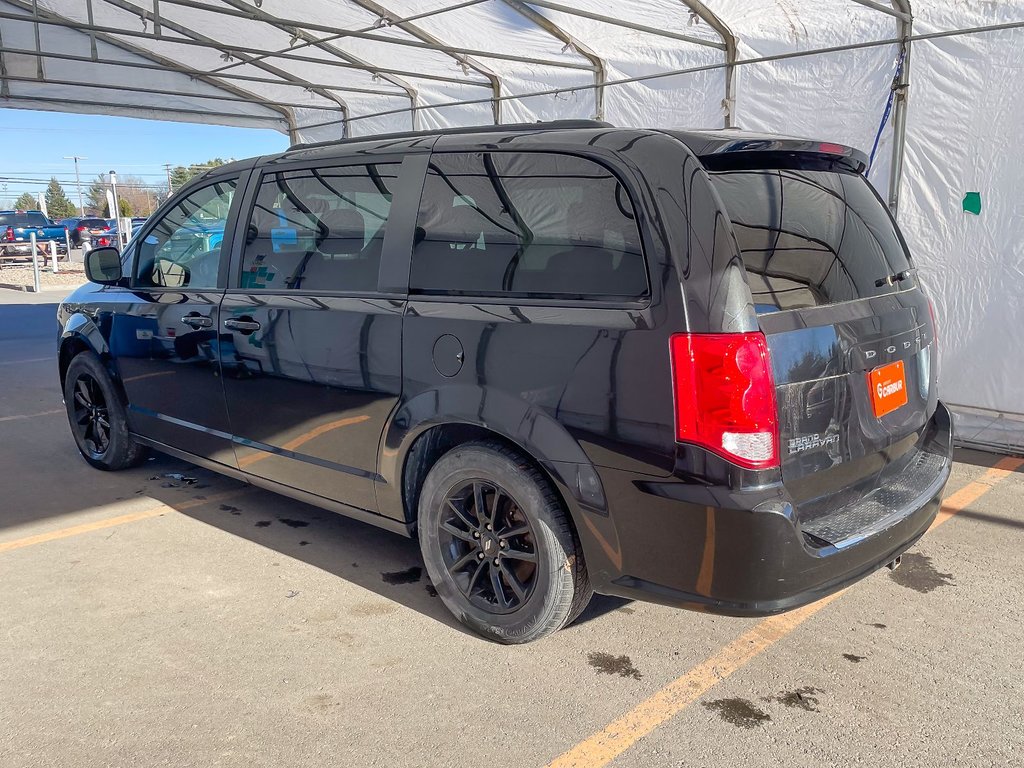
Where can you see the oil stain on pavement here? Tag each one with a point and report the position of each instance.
(853, 658)
(607, 664)
(917, 573)
(805, 698)
(408, 576)
(292, 523)
(738, 712)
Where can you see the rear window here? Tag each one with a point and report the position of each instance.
(810, 238)
(23, 220)
(526, 224)
(93, 223)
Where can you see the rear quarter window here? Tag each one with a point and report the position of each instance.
(811, 238)
(526, 225)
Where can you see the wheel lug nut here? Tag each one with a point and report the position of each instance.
(503, 544)
(476, 534)
(495, 561)
(480, 556)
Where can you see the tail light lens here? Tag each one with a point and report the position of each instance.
(725, 396)
(9, 235)
(82, 228)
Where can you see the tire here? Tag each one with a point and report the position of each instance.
(530, 553)
(97, 416)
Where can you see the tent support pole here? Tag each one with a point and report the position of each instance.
(191, 34)
(466, 62)
(5, 89)
(333, 50)
(899, 121)
(596, 63)
(92, 35)
(48, 17)
(710, 18)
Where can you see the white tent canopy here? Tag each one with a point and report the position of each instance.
(935, 85)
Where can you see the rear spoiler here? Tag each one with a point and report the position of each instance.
(735, 150)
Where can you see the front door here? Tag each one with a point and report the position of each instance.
(168, 347)
(317, 348)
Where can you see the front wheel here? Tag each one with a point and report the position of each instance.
(498, 546)
(97, 416)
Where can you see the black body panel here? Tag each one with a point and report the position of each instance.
(326, 395)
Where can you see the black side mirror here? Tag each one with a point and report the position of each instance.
(103, 266)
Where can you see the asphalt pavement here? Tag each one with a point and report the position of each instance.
(168, 616)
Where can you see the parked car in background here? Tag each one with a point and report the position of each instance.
(691, 367)
(84, 228)
(17, 228)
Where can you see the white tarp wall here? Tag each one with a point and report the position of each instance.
(323, 69)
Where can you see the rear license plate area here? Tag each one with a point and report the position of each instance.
(887, 385)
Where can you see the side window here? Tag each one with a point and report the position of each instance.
(319, 229)
(183, 249)
(526, 224)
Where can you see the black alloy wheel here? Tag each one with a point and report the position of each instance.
(488, 546)
(91, 417)
(98, 417)
(498, 544)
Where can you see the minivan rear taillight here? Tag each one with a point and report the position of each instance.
(725, 396)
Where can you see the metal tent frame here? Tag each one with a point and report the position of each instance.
(324, 47)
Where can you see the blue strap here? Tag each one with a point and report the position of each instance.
(888, 108)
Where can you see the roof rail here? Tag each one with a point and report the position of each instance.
(504, 128)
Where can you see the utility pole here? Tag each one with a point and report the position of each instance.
(78, 181)
(170, 189)
(116, 213)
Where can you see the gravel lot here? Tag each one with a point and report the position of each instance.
(19, 274)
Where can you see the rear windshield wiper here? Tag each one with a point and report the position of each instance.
(898, 277)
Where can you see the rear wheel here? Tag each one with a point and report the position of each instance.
(498, 546)
(97, 416)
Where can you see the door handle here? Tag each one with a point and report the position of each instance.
(196, 320)
(244, 325)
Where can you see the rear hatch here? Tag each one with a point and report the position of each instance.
(849, 330)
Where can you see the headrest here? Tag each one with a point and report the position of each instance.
(462, 224)
(346, 223)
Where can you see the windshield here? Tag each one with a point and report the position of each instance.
(810, 238)
(28, 219)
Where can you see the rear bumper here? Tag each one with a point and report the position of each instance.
(745, 554)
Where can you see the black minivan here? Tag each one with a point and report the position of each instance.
(691, 367)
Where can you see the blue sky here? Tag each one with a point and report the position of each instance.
(35, 143)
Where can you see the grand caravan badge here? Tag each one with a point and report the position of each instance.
(810, 442)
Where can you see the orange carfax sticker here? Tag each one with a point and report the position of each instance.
(888, 387)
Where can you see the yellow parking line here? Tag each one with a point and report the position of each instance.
(110, 522)
(31, 415)
(614, 739)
